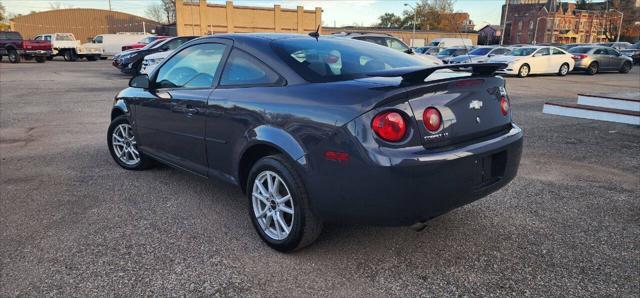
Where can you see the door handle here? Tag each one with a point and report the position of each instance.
(190, 110)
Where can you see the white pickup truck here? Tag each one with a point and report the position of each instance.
(67, 46)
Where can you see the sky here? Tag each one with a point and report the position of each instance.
(338, 12)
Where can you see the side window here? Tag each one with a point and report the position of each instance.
(544, 52)
(599, 52)
(3, 36)
(242, 69)
(39, 37)
(193, 67)
(396, 44)
(555, 51)
(612, 52)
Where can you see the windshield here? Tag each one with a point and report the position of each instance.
(147, 40)
(579, 50)
(336, 59)
(522, 51)
(153, 44)
(64, 37)
(447, 52)
(480, 51)
(435, 43)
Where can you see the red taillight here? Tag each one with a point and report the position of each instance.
(579, 57)
(504, 106)
(389, 126)
(432, 119)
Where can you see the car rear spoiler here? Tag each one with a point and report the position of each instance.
(416, 74)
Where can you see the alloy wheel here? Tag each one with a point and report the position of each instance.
(125, 145)
(272, 205)
(524, 71)
(564, 69)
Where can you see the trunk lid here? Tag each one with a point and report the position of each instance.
(470, 109)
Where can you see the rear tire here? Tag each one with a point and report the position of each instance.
(41, 59)
(564, 70)
(49, 58)
(272, 214)
(13, 56)
(92, 58)
(70, 55)
(524, 70)
(593, 68)
(126, 152)
(626, 67)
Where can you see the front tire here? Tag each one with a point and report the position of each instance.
(41, 59)
(626, 67)
(279, 205)
(524, 70)
(14, 57)
(564, 70)
(123, 146)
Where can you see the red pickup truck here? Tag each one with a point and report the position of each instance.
(16, 48)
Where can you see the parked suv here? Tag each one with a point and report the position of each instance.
(13, 46)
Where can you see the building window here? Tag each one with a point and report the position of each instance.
(520, 25)
(530, 25)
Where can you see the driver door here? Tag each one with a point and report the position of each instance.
(170, 119)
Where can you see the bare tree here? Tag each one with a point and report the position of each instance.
(156, 12)
(3, 13)
(169, 7)
(58, 5)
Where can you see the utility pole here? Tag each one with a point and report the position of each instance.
(415, 18)
(504, 22)
(109, 4)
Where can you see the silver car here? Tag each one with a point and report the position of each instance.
(593, 59)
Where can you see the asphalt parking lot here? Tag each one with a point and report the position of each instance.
(73, 223)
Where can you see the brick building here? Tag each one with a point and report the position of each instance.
(538, 21)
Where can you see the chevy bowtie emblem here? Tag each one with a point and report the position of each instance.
(475, 104)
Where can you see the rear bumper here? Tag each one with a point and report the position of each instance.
(35, 53)
(402, 188)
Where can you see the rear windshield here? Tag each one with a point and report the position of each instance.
(579, 50)
(338, 59)
(522, 51)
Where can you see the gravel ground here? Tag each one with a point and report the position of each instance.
(72, 223)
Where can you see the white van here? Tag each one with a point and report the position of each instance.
(111, 44)
(451, 42)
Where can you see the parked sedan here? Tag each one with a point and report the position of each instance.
(593, 59)
(449, 53)
(320, 129)
(480, 55)
(633, 52)
(616, 45)
(524, 61)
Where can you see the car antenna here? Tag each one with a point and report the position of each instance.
(315, 34)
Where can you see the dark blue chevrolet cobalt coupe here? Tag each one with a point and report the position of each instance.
(321, 130)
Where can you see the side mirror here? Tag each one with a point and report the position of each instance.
(140, 81)
(164, 48)
(409, 51)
